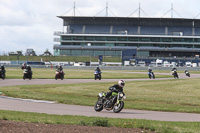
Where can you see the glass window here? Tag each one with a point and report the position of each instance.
(78, 38)
(89, 38)
(155, 39)
(133, 38)
(196, 39)
(121, 38)
(66, 38)
(97, 53)
(166, 39)
(100, 38)
(120, 44)
(144, 39)
(111, 38)
(177, 39)
(188, 39)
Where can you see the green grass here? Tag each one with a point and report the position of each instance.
(47, 73)
(61, 58)
(167, 95)
(157, 126)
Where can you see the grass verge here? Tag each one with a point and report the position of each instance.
(157, 126)
(180, 95)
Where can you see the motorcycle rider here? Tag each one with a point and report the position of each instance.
(2, 68)
(29, 69)
(186, 71)
(24, 66)
(99, 71)
(174, 69)
(60, 68)
(116, 88)
(149, 71)
(2, 71)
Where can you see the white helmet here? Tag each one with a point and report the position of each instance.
(121, 83)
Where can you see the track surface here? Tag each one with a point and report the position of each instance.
(14, 104)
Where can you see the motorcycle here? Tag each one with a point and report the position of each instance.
(97, 75)
(27, 74)
(59, 75)
(151, 75)
(115, 102)
(175, 74)
(2, 74)
(187, 73)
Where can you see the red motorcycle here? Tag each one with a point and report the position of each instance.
(59, 75)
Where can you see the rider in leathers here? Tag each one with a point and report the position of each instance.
(116, 88)
(2, 69)
(99, 71)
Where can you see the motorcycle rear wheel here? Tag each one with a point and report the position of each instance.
(98, 107)
(118, 107)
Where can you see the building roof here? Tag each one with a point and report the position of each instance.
(68, 20)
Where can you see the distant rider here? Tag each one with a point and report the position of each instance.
(24, 66)
(2, 68)
(174, 69)
(116, 88)
(186, 71)
(149, 70)
(60, 68)
(29, 69)
(99, 71)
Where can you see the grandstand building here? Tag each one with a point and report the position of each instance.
(174, 39)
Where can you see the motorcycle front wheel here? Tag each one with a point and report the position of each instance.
(98, 107)
(118, 107)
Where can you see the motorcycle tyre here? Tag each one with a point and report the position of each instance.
(30, 76)
(62, 77)
(98, 109)
(24, 77)
(3, 76)
(56, 77)
(119, 108)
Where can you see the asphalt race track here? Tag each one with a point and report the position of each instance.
(28, 105)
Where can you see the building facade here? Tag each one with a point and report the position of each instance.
(129, 38)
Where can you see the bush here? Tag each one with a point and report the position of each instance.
(99, 122)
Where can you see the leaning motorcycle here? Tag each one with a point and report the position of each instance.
(175, 74)
(115, 102)
(27, 74)
(187, 74)
(59, 75)
(151, 75)
(2, 74)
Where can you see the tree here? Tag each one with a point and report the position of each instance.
(47, 53)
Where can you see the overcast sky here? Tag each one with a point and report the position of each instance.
(31, 23)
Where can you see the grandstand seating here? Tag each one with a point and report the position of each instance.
(133, 30)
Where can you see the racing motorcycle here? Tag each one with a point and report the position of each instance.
(59, 75)
(115, 102)
(97, 75)
(175, 74)
(187, 73)
(151, 75)
(27, 74)
(2, 74)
